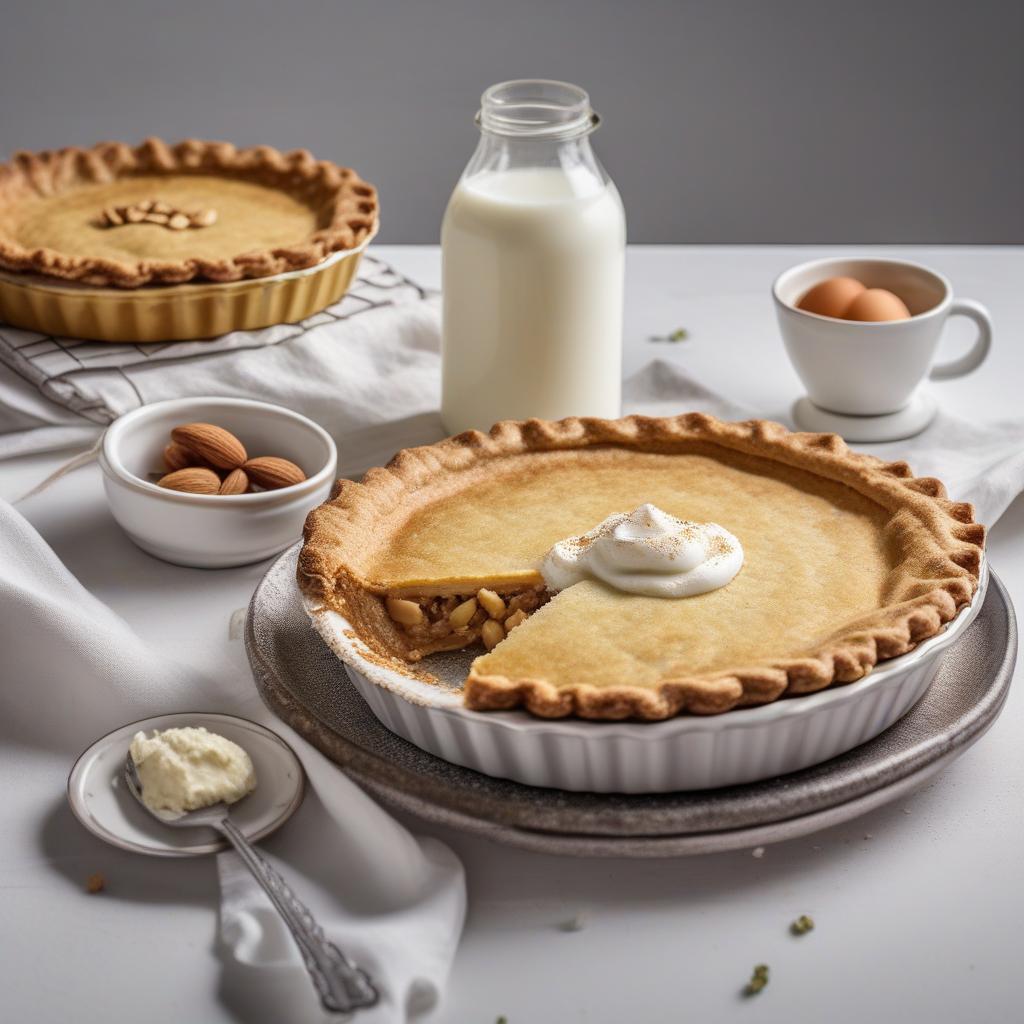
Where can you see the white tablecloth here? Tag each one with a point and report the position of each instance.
(684, 933)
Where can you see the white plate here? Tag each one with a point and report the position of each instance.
(683, 753)
(100, 799)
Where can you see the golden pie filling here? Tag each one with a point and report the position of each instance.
(837, 574)
(249, 216)
(815, 556)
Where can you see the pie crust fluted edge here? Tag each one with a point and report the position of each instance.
(339, 533)
(349, 205)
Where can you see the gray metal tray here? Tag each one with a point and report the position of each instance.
(303, 682)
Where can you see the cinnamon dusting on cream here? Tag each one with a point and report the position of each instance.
(647, 552)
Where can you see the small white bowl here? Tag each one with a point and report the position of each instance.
(211, 530)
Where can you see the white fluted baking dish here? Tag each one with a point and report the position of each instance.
(684, 753)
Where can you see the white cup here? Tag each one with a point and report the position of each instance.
(870, 369)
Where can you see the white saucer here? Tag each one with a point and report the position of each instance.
(100, 799)
(894, 426)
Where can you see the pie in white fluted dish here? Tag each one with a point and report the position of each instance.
(849, 562)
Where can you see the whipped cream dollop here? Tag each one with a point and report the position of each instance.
(647, 552)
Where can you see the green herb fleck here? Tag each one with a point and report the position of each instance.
(758, 980)
(679, 334)
(501, 1020)
(802, 925)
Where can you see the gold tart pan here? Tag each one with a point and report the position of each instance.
(174, 312)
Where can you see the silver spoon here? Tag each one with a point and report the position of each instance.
(342, 986)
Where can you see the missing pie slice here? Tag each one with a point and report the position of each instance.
(847, 561)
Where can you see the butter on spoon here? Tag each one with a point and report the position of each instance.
(341, 985)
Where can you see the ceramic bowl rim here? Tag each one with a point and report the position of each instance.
(115, 469)
(937, 310)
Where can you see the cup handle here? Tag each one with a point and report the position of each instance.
(978, 351)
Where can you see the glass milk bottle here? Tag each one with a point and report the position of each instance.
(533, 250)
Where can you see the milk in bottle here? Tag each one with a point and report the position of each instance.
(533, 246)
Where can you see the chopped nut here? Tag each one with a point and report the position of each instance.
(758, 980)
(802, 925)
(492, 634)
(527, 600)
(95, 883)
(515, 619)
(153, 211)
(405, 613)
(460, 617)
(492, 603)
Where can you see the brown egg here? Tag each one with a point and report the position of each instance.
(831, 296)
(876, 304)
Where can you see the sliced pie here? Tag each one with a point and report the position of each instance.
(166, 214)
(847, 561)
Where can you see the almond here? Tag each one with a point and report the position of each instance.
(212, 444)
(177, 456)
(193, 480)
(272, 473)
(236, 482)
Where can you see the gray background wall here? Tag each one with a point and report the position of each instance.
(725, 120)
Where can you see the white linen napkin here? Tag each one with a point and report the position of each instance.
(73, 670)
(980, 462)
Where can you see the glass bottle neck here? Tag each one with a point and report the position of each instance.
(535, 124)
(495, 153)
(537, 109)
